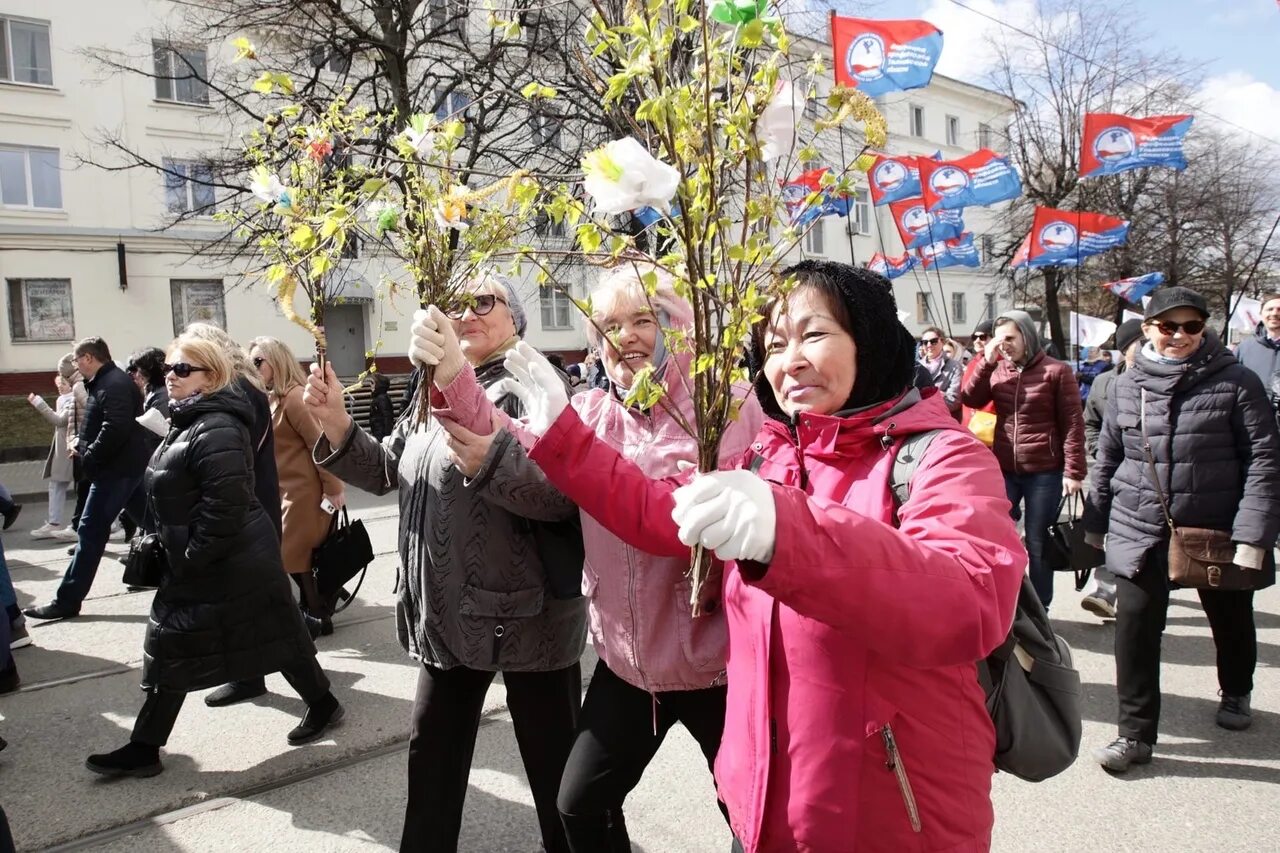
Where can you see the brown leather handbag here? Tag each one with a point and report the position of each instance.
(1199, 557)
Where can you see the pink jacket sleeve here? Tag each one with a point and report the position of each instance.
(464, 402)
(610, 488)
(939, 590)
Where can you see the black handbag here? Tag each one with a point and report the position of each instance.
(1065, 548)
(345, 552)
(145, 564)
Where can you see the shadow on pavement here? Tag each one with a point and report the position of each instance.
(1175, 649)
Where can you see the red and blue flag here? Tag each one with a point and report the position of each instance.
(1063, 238)
(1022, 257)
(891, 268)
(919, 227)
(1133, 289)
(893, 179)
(956, 252)
(978, 179)
(797, 192)
(879, 57)
(1115, 143)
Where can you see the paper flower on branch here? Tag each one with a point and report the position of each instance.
(622, 176)
(384, 215)
(776, 127)
(319, 145)
(419, 136)
(267, 187)
(451, 211)
(735, 12)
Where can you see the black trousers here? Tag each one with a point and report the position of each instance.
(1142, 603)
(621, 729)
(82, 495)
(160, 710)
(442, 739)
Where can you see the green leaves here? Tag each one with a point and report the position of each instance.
(537, 91)
(269, 81)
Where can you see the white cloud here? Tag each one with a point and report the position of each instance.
(967, 53)
(1241, 98)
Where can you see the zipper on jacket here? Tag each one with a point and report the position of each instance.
(499, 632)
(1017, 407)
(894, 762)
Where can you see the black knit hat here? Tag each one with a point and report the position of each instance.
(886, 350)
(986, 327)
(1129, 331)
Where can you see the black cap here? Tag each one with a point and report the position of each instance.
(1175, 297)
(1129, 331)
(986, 327)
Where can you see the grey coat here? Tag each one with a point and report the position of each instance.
(59, 465)
(472, 591)
(1217, 454)
(1095, 408)
(1261, 355)
(948, 382)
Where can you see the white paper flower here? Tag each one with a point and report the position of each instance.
(419, 135)
(267, 187)
(623, 176)
(451, 211)
(776, 127)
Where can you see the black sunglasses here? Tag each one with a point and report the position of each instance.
(258, 362)
(1191, 327)
(182, 370)
(929, 341)
(479, 303)
(981, 337)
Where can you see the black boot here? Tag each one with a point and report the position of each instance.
(236, 691)
(317, 613)
(320, 716)
(133, 759)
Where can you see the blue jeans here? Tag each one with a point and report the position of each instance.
(107, 497)
(1041, 493)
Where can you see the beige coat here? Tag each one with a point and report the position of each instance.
(302, 485)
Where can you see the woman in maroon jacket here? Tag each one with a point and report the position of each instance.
(1039, 430)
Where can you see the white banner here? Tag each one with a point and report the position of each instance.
(1248, 315)
(1131, 315)
(1089, 331)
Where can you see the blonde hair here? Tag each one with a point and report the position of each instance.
(623, 290)
(218, 367)
(285, 370)
(240, 365)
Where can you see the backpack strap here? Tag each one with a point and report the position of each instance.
(906, 459)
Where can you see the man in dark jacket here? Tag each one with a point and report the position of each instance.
(112, 450)
(1039, 430)
(1261, 353)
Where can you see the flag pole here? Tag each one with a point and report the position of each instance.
(937, 270)
(1226, 325)
(848, 232)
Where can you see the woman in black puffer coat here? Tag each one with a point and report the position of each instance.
(1216, 451)
(224, 610)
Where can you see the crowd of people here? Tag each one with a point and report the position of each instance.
(829, 670)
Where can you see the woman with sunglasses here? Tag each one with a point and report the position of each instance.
(1202, 419)
(944, 371)
(978, 341)
(304, 486)
(224, 611)
(482, 538)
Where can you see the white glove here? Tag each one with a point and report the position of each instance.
(538, 386)
(1249, 556)
(432, 343)
(730, 512)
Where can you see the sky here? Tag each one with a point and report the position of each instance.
(1233, 43)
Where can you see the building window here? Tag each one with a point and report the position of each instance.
(181, 73)
(984, 136)
(812, 108)
(917, 121)
(813, 238)
(545, 226)
(29, 177)
(953, 130)
(988, 249)
(557, 308)
(443, 17)
(989, 306)
(40, 309)
(959, 308)
(197, 301)
(452, 105)
(188, 187)
(861, 212)
(24, 52)
(326, 56)
(546, 130)
(924, 308)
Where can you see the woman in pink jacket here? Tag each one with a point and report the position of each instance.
(658, 665)
(855, 721)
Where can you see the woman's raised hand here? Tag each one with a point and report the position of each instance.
(538, 386)
(323, 397)
(433, 343)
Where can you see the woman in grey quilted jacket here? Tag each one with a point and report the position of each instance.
(475, 592)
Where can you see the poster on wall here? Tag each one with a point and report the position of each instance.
(48, 311)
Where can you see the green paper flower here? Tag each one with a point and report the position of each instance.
(737, 12)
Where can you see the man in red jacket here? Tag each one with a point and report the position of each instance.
(1039, 430)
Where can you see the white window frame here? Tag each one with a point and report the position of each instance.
(924, 307)
(988, 250)
(29, 189)
(989, 306)
(916, 115)
(188, 185)
(455, 105)
(861, 219)
(959, 306)
(984, 135)
(554, 304)
(815, 238)
(179, 301)
(444, 17)
(953, 131)
(7, 71)
(21, 285)
(549, 229)
(326, 56)
(548, 129)
(169, 78)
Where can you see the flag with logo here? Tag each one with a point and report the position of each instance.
(798, 192)
(1089, 331)
(893, 179)
(891, 268)
(957, 252)
(978, 179)
(1022, 257)
(918, 227)
(1114, 143)
(1133, 289)
(1063, 238)
(879, 57)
